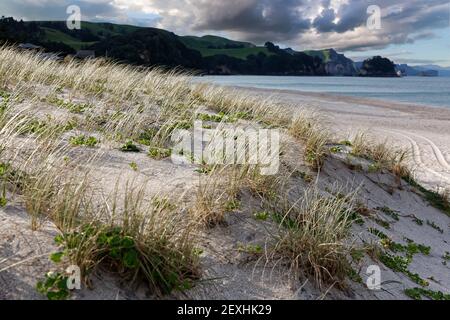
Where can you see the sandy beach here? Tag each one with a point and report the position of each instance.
(425, 130)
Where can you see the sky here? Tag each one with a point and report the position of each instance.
(407, 31)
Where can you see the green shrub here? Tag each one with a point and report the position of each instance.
(159, 153)
(54, 287)
(129, 146)
(82, 140)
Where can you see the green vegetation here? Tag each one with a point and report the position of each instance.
(239, 53)
(446, 258)
(378, 67)
(5, 97)
(355, 217)
(232, 205)
(325, 55)
(346, 143)
(336, 149)
(72, 107)
(54, 286)
(399, 263)
(222, 117)
(204, 169)
(418, 221)
(134, 166)
(354, 275)
(383, 155)
(382, 223)
(213, 45)
(388, 211)
(436, 199)
(433, 225)
(147, 136)
(61, 37)
(151, 46)
(122, 253)
(83, 140)
(262, 216)
(129, 146)
(417, 293)
(305, 229)
(410, 249)
(159, 153)
(251, 249)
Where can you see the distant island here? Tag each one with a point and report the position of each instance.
(207, 55)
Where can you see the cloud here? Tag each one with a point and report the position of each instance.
(304, 23)
(298, 23)
(56, 9)
(255, 19)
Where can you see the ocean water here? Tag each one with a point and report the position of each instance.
(430, 91)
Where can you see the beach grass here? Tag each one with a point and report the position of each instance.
(50, 155)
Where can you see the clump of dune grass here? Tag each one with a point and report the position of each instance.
(383, 153)
(137, 240)
(240, 106)
(121, 233)
(312, 235)
(307, 127)
(220, 188)
(217, 189)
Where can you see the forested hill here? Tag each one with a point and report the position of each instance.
(152, 46)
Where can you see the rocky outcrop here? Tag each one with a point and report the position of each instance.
(378, 67)
(336, 64)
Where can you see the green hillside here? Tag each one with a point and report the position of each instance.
(325, 55)
(235, 53)
(212, 41)
(156, 47)
(55, 31)
(93, 33)
(58, 36)
(212, 45)
(104, 29)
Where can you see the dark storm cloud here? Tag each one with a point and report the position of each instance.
(351, 16)
(324, 22)
(56, 9)
(299, 23)
(283, 18)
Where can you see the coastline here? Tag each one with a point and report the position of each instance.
(423, 129)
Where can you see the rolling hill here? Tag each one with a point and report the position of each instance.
(212, 45)
(151, 46)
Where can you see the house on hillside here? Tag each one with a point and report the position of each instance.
(50, 56)
(29, 46)
(85, 54)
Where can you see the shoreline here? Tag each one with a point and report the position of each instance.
(375, 102)
(425, 130)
